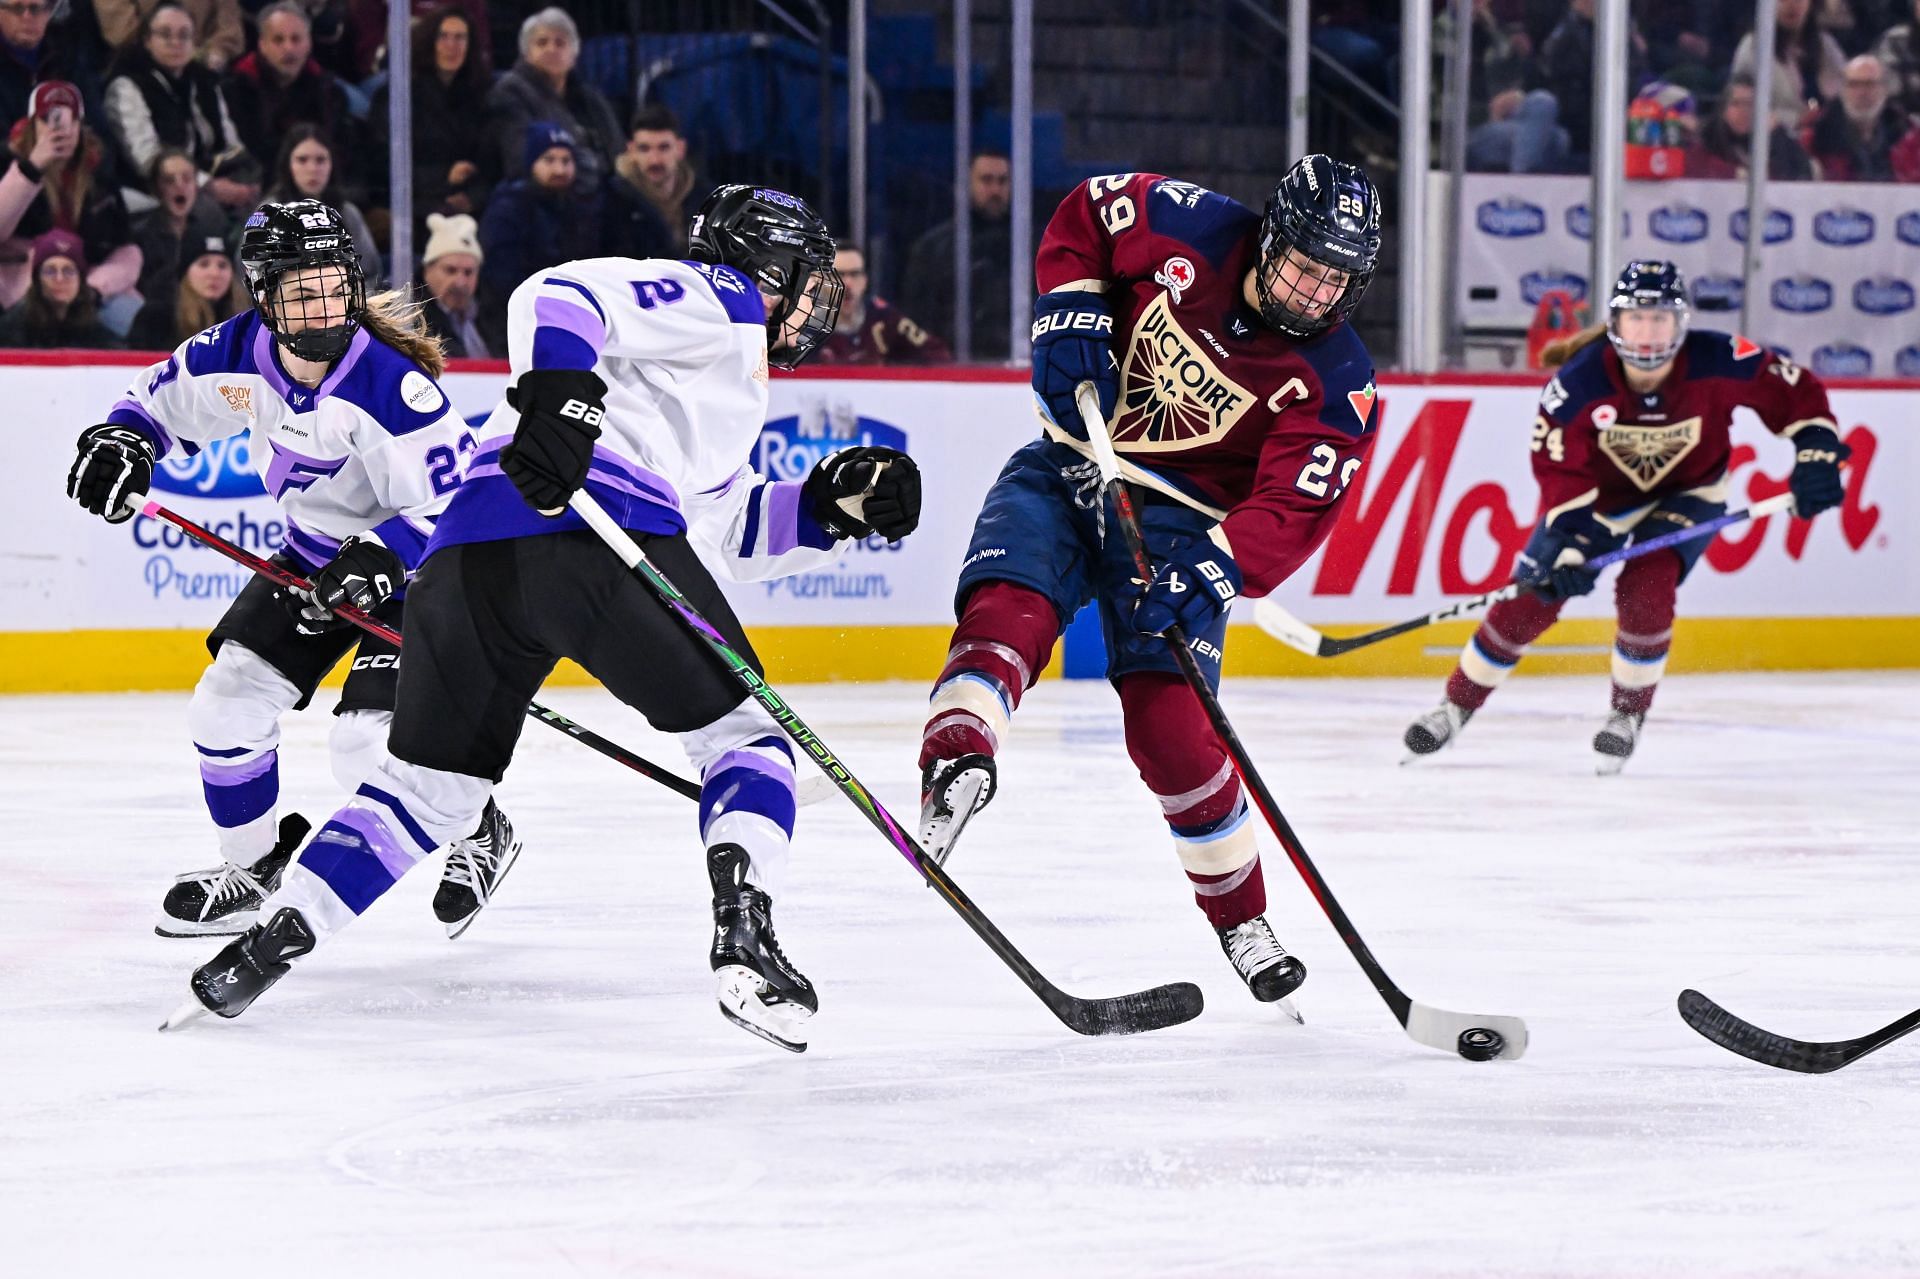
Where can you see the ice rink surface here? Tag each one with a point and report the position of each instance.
(555, 1093)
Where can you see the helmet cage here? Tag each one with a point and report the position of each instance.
(282, 240)
(779, 243)
(1648, 286)
(1327, 213)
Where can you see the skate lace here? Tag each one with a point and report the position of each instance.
(226, 883)
(1252, 946)
(471, 863)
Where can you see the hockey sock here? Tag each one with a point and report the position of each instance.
(1182, 763)
(1644, 606)
(746, 790)
(1497, 647)
(1002, 643)
(235, 721)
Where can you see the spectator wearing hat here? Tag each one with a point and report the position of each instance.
(60, 180)
(279, 85)
(209, 291)
(544, 88)
(654, 189)
(160, 97)
(219, 38)
(538, 221)
(455, 158)
(35, 48)
(454, 313)
(186, 214)
(60, 309)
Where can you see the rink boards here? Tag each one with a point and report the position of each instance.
(1439, 511)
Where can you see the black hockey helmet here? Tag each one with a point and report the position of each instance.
(293, 236)
(1649, 285)
(1328, 211)
(782, 245)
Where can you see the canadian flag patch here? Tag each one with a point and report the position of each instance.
(1745, 349)
(1362, 401)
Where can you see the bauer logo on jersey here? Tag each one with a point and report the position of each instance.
(1176, 276)
(419, 392)
(1648, 454)
(1172, 395)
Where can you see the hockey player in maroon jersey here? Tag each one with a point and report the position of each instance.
(1631, 442)
(871, 330)
(1242, 405)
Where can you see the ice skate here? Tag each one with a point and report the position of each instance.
(951, 792)
(759, 988)
(229, 982)
(1435, 730)
(225, 901)
(475, 867)
(1614, 744)
(1262, 962)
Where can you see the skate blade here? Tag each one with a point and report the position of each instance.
(1285, 1005)
(461, 925)
(962, 800)
(741, 1002)
(185, 1015)
(232, 926)
(1608, 765)
(813, 788)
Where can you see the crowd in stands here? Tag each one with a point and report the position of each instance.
(143, 133)
(1844, 105)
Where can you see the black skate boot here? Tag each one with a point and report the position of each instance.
(760, 990)
(1262, 962)
(1614, 743)
(227, 984)
(1435, 730)
(224, 901)
(951, 792)
(475, 867)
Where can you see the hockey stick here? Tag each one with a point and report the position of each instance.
(1153, 1009)
(1477, 1038)
(274, 573)
(1809, 1058)
(1294, 633)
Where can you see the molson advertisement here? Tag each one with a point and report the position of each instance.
(1439, 511)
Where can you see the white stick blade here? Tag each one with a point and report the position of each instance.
(1286, 628)
(1438, 1028)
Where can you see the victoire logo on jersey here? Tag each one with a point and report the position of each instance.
(1882, 295)
(1510, 218)
(1779, 226)
(1172, 395)
(1843, 226)
(1802, 294)
(1648, 454)
(222, 468)
(1842, 359)
(1678, 223)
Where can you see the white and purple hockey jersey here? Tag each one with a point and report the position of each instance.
(682, 347)
(376, 447)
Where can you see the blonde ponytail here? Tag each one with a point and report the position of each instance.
(1560, 350)
(397, 320)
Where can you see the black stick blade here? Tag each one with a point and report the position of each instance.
(1743, 1037)
(1144, 1010)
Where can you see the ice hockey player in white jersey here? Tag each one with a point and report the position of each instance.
(646, 383)
(361, 449)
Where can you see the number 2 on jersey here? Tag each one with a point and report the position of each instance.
(1118, 214)
(1316, 473)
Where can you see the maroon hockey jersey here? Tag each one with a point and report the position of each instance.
(883, 336)
(1213, 404)
(1597, 441)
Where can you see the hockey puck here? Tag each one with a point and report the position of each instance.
(1477, 1043)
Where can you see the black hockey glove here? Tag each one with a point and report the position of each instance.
(1816, 471)
(115, 463)
(1073, 343)
(1554, 566)
(865, 490)
(560, 415)
(363, 575)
